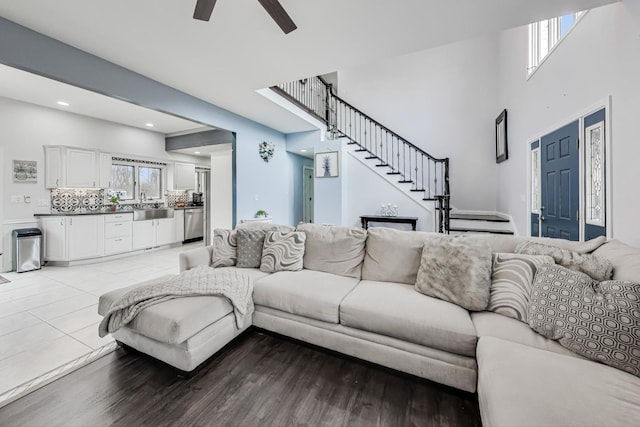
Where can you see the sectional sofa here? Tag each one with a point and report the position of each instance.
(362, 303)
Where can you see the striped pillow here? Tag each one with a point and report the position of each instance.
(224, 248)
(511, 282)
(283, 251)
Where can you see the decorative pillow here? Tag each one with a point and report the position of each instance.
(597, 268)
(250, 243)
(393, 255)
(598, 320)
(224, 248)
(456, 270)
(511, 280)
(283, 251)
(337, 250)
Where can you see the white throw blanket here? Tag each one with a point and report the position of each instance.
(200, 281)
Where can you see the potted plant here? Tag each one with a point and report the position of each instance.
(261, 214)
(115, 200)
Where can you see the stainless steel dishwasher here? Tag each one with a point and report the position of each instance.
(194, 223)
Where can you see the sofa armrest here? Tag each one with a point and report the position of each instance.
(195, 257)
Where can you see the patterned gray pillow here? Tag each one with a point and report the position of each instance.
(224, 248)
(511, 280)
(598, 320)
(456, 270)
(250, 243)
(596, 267)
(283, 251)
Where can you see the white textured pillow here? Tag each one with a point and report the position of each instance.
(282, 251)
(456, 270)
(511, 280)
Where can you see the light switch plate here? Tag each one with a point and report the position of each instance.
(16, 199)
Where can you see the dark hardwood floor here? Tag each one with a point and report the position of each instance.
(260, 379)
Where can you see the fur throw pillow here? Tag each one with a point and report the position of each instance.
(456, 270)
(597, 268)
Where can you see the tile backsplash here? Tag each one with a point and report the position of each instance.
(76, 200)
(174, 197)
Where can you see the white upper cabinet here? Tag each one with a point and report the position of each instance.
(81, 168)
(71, 167)
(184, 176)
(104, 180)
(53, 167)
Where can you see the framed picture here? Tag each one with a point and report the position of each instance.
(327, 165)
(25, 171)
(502, 151)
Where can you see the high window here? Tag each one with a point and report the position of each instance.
(545, 35)
(133, 181)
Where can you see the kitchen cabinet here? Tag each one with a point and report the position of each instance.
(85, 237)
(154, 232)
(73, 238)
(52, 167)
(104, 170)
(80, 168)
(70, 167)
(179, 218)
(55, 238)
(118, 233)
(184, 176)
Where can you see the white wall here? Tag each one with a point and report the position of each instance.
(443, 100)
(599, 58)
(362, 202)
(222, 189)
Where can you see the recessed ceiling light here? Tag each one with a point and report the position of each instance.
(303, 151)
(64, 104)
(196, 152)
(150, 125)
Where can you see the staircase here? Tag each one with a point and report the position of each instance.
(462, 223)
(423, 174)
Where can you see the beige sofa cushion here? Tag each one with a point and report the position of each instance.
(398, 311)
(522, 386)
(337, 250)
(490, 324)
(625, 260)
(393, 255)
(307, 293)
(172, 321)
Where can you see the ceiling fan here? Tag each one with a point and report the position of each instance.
(204, 8)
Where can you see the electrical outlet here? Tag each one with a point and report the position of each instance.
(16, 199)
(257, 197)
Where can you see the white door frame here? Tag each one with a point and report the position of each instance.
(580, 115)
(305, 196)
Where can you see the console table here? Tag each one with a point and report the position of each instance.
(366, 219)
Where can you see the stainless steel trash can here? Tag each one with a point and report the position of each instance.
(27, 249)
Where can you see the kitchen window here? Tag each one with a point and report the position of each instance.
(134, 181)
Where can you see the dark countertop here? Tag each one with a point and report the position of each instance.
(99, 212)
(188, 207)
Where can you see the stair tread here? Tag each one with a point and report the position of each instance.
(380, 165)
(478, 217)
(394, 173)
(404, 181)
(480, 230)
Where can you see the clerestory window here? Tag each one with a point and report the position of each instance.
(545, 35)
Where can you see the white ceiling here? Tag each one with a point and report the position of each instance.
(32, 88)
(203, 151)
(241, 49)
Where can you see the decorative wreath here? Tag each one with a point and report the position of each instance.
(266, 150)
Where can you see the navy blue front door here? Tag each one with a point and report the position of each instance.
(560, 185)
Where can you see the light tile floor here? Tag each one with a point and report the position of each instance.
(49, 317)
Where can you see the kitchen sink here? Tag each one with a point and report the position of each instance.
(152, 213)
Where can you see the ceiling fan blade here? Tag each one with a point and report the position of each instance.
(278, 14)
(203, 10)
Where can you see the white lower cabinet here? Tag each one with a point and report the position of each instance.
(70, 238)
(118, 233)
(55, 238)
(154, 232)
(179, 218)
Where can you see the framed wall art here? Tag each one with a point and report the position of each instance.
(25, 171)
(502, 150)
(327, 165)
